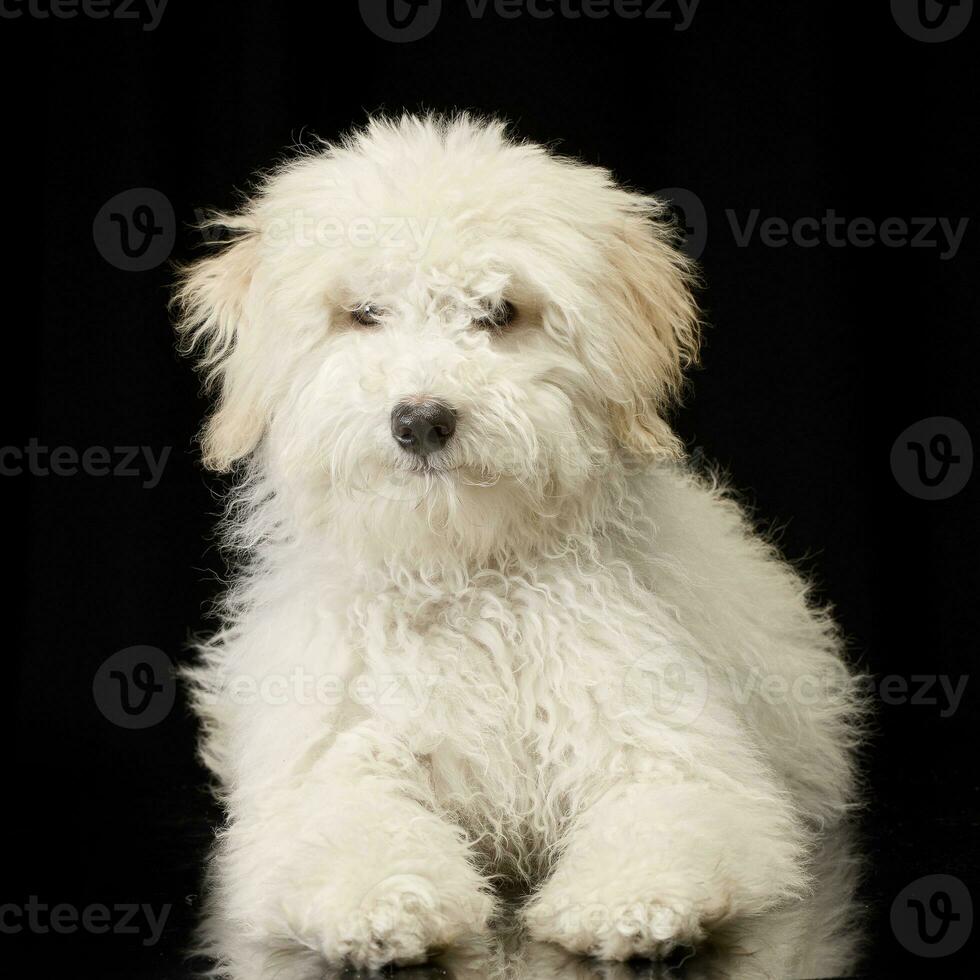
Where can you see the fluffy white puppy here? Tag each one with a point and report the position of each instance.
(489, 627)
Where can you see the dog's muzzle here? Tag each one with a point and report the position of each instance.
(422, 427)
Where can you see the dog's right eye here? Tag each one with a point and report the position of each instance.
(499, 317)
(367, 315)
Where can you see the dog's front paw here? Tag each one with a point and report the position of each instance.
(618, 929)
(400, 922)
(651, 868)
(404, 919)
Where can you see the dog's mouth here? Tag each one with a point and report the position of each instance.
(427, 467)
(433, 471)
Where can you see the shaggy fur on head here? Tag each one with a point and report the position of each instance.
(548, 652)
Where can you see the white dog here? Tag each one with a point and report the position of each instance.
(488, 627)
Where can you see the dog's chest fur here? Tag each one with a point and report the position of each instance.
(498, 687)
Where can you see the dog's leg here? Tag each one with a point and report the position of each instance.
(347, 862)
(650, 867)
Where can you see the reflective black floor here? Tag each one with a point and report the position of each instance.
(847, 928)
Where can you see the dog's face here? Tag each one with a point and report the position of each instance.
(431, 331)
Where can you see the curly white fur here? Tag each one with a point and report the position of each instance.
(555, 655)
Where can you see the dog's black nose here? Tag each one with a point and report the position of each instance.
(422, 427)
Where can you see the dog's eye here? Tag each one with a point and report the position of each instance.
(501, 316)
(367, 315)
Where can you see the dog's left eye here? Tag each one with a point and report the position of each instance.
(367, 315)
(500, 316)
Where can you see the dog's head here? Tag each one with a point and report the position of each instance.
(431, 329)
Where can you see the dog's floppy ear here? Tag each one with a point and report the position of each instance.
(657, 329)
(216, 322)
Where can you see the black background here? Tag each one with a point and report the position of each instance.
(816, 360)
